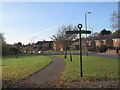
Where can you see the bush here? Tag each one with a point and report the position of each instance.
(91, 48)
(103, 48)
(9, 50)
(5, 49)
(14, 50)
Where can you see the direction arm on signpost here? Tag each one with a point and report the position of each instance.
(78, 32)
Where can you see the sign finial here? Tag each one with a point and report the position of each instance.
(79, 25)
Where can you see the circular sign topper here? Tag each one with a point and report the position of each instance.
(79, 25)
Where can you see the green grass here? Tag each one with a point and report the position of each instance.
(75, 51)
(15, 69)
(94, 68)
(79, 51)
(50, 51)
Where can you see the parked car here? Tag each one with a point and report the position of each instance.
(34, 51)
(25, 51)
(40, 51)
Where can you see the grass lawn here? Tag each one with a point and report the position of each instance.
(75, 51)
(15, 69)
(50, 51)
(94, 68)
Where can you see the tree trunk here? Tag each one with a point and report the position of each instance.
(117, 50)
(66, 52)
(70, 55)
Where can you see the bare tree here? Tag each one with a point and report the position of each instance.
(65, 39)
(115, 23)
(114, 20)
(2, 39)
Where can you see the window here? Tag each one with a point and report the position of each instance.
(118, 40)
(102, 41)
(97, 41)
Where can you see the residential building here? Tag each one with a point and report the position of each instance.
(116, 42)
(58, 46)
(76, 43)
(39, 46)
(116, 45)
(44, 45)
(103, 40)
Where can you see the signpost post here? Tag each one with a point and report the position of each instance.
(80, 43)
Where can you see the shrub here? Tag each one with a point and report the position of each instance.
(103, 48)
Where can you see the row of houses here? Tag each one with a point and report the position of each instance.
(39, 46)
(111, 41)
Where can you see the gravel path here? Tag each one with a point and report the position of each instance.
(43, 77)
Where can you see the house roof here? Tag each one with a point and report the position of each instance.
(105, 37)
(116, 36)
(43, 42)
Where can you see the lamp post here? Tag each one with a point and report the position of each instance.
(86, 25)
(86, 20)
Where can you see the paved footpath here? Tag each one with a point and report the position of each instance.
(50, 73)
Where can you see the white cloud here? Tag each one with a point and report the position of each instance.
(45, 30)
(14, 36)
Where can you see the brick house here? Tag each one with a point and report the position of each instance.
(104, 40)
(116, 42)
(58, 46)
(100, 42)
(44, 45)
(40, 45)
(28, 48)
(90, 43)
(116, 45)
(75, 44)
(109, 41)
(95, 42)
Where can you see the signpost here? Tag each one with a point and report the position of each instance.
(79, 32)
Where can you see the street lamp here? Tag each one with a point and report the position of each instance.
(86, 20)
(86, 25)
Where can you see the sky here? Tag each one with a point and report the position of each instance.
(28, 22)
